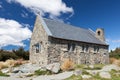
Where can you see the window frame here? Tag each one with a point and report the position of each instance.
(37, 47)
(96, 48)
(71, 47)
(85, 47)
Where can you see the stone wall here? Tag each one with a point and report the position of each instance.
(58, 51)
(40, 37)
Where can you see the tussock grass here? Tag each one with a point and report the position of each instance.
(115, 61)
(68, 64)
(11, 63)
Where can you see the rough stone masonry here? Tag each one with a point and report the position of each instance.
(54, 41)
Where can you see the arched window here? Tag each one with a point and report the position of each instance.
(99, 33)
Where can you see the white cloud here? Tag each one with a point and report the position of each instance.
(0, 6)
(116, 41)
(24, 14)
(53, 7)
(113, 41)
(13, 33)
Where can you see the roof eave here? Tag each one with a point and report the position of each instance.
(80, 41)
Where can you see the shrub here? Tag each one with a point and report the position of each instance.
(68, 64)
(21, 53)
(115, 53)
(14, 54)
(4, 55)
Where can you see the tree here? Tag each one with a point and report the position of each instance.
(21, 53)
(115, 53)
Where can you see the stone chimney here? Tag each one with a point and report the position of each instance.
(100, 34)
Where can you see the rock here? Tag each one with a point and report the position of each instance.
(6, 70)
(77, 72)
(86, 76)
(105, 75)
(91, 66)
(17, 71)
(93, 72)
(54, 67)
(26, 68)
(110, 67)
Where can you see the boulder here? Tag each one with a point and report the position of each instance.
(105, 75)
(86, 76)
(54, 67)
(91, 66)
(77, 72)
(110, 67)
(93, 72)
(6, 70)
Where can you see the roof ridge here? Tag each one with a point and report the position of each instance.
(67, 24)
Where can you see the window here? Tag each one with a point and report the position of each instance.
(37, 48)
(71, 47)
(85, 48)
(98, 33)
(96, 49)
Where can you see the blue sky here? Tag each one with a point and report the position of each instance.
(17, 18)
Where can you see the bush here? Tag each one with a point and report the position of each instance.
(4, 55)
(21, 53)
(115, 53)
(68, 64)
(14, 54)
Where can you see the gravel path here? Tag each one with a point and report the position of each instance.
(13, 78)
(60, 76)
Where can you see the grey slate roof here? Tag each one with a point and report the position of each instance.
(69, 32)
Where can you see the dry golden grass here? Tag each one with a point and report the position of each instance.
(68, 64)
(11, 63)
(1, 65)
(112, 60)
(115, 61)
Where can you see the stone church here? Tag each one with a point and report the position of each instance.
(54, 41)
